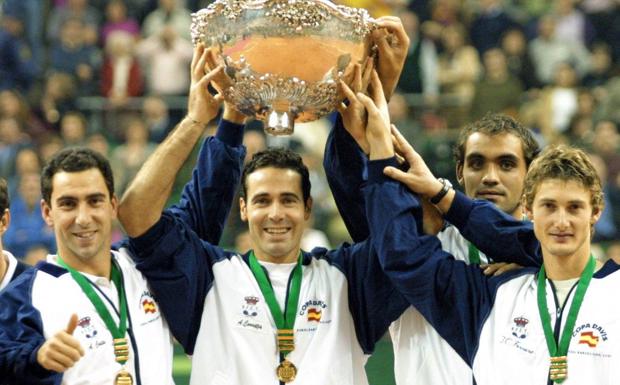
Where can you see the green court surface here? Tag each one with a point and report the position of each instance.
(378, 368)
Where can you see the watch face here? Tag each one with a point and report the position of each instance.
(446, 182)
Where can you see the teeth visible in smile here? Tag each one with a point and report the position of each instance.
(276, 231)
(85, 235)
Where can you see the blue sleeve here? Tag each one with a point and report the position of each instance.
(207, 198)
(497, 234)
(345, 168)
(374, 302)
(21, 335)
(454, 297)
(179, 268)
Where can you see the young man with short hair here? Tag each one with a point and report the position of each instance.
(10, 267)
(53, 324)
(492, 156)
(528, 326)
(81, 315)
(276, 314)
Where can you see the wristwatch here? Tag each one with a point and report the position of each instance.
(446, 186)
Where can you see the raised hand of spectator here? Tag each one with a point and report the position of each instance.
(393, 45)
(61, 351)
(202, 107)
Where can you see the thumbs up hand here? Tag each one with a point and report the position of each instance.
(62, 350)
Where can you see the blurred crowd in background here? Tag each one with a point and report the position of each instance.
(113, 75)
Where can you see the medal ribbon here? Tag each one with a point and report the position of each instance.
(284, 321)
(474, 254)
(558, 352)
(118, 332)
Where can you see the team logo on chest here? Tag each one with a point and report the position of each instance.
(314, 314)
(250, 307)
(590, 335)
(250, 318)
(87, 329)
(147, 303)
(519, 327)
(148, 308)
(314, 311)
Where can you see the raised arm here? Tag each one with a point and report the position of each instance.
(179, 268)
(346, 154)
(454, 297)
(393, 46)
(144, 200)
(498, 235)
(373, 300)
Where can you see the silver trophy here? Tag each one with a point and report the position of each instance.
(284, 58)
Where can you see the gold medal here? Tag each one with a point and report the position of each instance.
(123, 378)
(559, 369)
(286, 371)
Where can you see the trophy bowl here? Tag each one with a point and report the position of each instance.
(283, 59)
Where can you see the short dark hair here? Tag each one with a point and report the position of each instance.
(279, 158)
(5, 202)
(75, 159)
(496, 124)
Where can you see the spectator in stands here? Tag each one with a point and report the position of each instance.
(487, 28)
(26, 162)
(121, 76)
(459, 69)
(169, 14)
(518, 58)
(58, 98)
(157, 119)
(601, 66)
(571, 24)
(18, 69)
(606, 144)
(117, 20)
(560, 104)
(581, 131)
(165, 58)
(610, 108)
(13, 105)
(498, 91)
(254, 141)
(75, 9)
(73, 55)
(548, 51)
(27, 226)
(12, 139)
(98, 142)
(420, 70)
(127, 158)
(49, 146)
(605, 229)
(32, 13)
(73, 129)
(445, 12)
